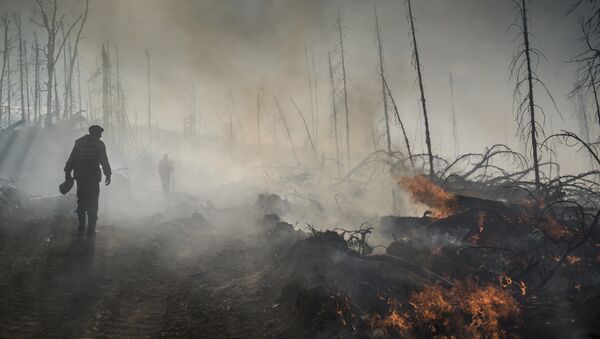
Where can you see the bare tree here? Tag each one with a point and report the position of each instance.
(46, 16)
(106, 84)
(308, 134)
(589, 58)
(27, 88)
(521, 68)
(309, 78)
(235, 112)
(454, 130)
(334, 115)
(5, 51)
(345, 88)
(72, 59)
(65, 115)
(149, 101)
(582, 116)
(9, 88)
(258, 122)
(316, 97)
(79, 83)
(36, 91)
(399, 122)
(417, 64)
(383, 89)
(287, 130)
(90, 108)
(17, 19)
(56, 99)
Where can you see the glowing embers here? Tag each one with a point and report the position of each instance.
(573, 260)
(506, 281)
(555, 229)
(426, 192)
(481, 223)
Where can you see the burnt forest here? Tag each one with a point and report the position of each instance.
(299, 169)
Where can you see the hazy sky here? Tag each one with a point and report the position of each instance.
(246, 45)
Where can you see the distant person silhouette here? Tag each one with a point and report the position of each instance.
(88, 154)
(166, 167)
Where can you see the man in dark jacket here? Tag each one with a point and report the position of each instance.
(88, 154)
(166, 167)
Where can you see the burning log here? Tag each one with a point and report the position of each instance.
(426, 192)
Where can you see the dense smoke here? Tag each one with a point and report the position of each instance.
(244, 48)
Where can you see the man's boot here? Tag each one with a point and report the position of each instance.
(92, 218)
(81, 218)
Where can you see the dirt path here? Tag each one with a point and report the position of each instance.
(149, 279)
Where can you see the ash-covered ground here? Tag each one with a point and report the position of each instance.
(199, 276)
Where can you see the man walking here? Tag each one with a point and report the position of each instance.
(166, 167)
(88, 154)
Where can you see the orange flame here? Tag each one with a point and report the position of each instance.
(464, 311)
(395, 320)
(426, 192)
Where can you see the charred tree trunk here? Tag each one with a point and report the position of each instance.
(310, 89)
(21, 69)
(106, 69)
(341, 39)
(36, 91)
(72, 59)
(406, 141)
(532, 122)
(287, 130)
(8, 87)
(231, 130)
(27, 88)
(149, 100)
(316, 99)
(335, 116)
(383, 90)
(91, 114)
(454, 130)
(52, 24)
(420, 79)
(258, 123)
(595, 92)
(79, 85)
(56, 100)
(582, 118)
(65, 115)
(308, 134)
(6, 25)
(51, 29)
(235, 112)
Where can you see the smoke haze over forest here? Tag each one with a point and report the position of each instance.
(300, 168)
(245, 47)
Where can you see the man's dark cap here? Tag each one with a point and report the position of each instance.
(95, 129)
